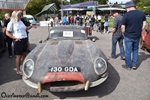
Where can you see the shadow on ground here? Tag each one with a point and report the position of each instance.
(142, 57)
(7, 65)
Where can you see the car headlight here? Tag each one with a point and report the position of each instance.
(100, 66)
(28, 67)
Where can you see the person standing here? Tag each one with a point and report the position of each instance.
(8, 39)
(106, 24)
(99, 18)
(51, 20)
(17, 31)
(56, 20)
(64, 20)
(92, 22)
(27, 24)
(133, 22)
(117, 35)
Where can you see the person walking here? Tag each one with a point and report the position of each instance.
(8, 39)
(17, 31)
(133, 22)
(117, 35)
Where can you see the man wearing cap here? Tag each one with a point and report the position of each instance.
(117, 35)
(133, 22)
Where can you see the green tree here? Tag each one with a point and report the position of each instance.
(136, 1)
(147, 10)
(146, 2)
(102, 1)
(143, 6)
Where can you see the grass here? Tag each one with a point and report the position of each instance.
(148, 19)
(112, 19)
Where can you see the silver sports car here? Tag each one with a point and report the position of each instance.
(66, 61)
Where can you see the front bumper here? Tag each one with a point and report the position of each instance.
(69, 88)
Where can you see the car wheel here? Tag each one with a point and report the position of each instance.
(142, 44)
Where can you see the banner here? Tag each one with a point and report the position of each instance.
(79, 5)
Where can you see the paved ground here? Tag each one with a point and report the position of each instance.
(120, 85)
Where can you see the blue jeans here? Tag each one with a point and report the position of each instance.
(118, 39)
(131, 47)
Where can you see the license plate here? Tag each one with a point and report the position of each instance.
(64, 69)
(67, 33)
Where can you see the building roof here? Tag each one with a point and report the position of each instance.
(10, 5)
(51, 7)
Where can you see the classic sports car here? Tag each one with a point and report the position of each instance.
(66, 61)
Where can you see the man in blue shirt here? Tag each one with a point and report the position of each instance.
(133, 22)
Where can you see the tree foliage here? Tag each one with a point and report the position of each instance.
(35, 6)
(143, 6)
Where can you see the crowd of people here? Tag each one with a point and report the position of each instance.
(101, 22)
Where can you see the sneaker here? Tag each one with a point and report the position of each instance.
(15, 69)
(107, 32)
(110, 57)
(10, 56)
(19, 73)
(134, 67)
(122, 58)
(124, 66)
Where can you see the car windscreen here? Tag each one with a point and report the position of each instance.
(67, 34)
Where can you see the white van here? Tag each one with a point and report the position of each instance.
(30, 18)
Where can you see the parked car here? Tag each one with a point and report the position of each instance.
(66, 61)
(145, 38)
(30, 18)
(2, 39)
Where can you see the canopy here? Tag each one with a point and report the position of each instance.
(52, 7)
(90, 9)
(79, 5)
(111, 8)
(72, 9)
(10, 5)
